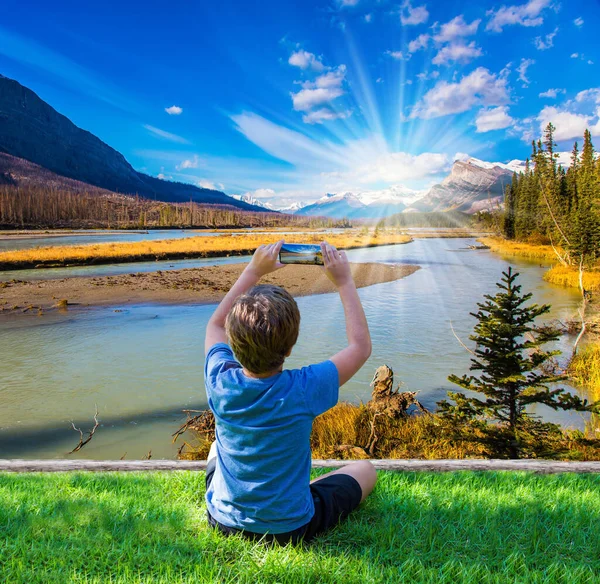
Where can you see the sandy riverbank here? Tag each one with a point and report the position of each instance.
(197, 285)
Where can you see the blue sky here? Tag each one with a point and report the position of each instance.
(291, 100)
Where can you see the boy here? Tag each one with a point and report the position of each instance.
(257, 477)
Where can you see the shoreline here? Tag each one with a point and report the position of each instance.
(557, 274)
(225, 245)
(206, 285)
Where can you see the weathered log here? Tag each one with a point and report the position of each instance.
(403, 465)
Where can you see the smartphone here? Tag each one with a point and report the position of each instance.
(299, 253)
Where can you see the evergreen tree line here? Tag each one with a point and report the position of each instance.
(547, 203)
(35, 207)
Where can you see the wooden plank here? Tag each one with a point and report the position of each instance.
(536, 466)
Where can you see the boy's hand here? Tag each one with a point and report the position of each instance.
(336, 265)
(266, 259)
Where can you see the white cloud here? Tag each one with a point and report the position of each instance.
(393, 167)
(193, 162)
(574, 55)
(323, 89)
(334, 78)
(411, 15)
(165, 135)
(568, 125)
(174, 110)
(522, 70)
(206, 184)
(592, 94)
(281, 142)
(457, 52)
(324, 166)
(319, 116)
(480, 87)
(527, 14)
(545, 43)
(455, 29)
(261, 194)
(368, 17)
(493, 119)
(552, 93)
(344, 3)
(578, 21)
(426, 75)
(420, 42)
(306, 99)
(395, 55)
(306, 60)
(379, 80)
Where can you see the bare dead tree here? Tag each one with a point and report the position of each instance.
(582, 308)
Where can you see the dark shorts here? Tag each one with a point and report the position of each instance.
(335, 497)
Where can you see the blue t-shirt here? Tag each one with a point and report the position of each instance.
(262, 431)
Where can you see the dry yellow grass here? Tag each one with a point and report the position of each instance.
(517, 248)
(345, 430)
(585, 369)
(182, 248)
(569, 276)
(561, 275)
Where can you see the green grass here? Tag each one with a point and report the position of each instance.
(416, 527)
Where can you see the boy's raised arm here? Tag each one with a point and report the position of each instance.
(264, 261)
(349, 360)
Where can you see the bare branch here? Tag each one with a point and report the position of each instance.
(82, 441)
(582, 308)
(458, 339)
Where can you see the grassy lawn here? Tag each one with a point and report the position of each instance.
(416, 527)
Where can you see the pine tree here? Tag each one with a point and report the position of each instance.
(508, 353)
(586, 246)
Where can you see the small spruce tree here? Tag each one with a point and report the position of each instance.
(511, 361)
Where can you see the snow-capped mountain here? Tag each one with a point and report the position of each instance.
(365, 204)
(291, 209)
(248, 198)
(472, 185)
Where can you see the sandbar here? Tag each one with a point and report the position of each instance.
(190, 286)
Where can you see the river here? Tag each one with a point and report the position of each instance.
(142, 365)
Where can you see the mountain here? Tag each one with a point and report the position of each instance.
(291, 209)
(23, 173)
(33, 130)
(472, 185)
(363, 205)
(248, 198)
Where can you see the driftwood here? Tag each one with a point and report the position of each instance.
(403, 465)
(203, 423)
(389, 402)
(83, 441)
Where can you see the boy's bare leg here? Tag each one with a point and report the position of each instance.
(362, 471)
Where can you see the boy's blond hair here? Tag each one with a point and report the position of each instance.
(262, 327)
